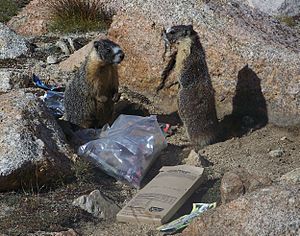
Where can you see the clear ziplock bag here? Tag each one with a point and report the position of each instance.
(126, 150)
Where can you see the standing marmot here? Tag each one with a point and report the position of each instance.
(196, 102)
(90, 96)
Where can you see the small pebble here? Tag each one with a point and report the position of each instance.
(276, 153)
(52, 60)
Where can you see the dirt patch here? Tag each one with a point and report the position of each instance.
(252, 151)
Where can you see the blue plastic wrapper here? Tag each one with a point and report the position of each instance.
(126, 150)
(39, 83)
(55, 102)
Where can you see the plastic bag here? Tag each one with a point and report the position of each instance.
(127, 148)
(55, 102)
(183, 221)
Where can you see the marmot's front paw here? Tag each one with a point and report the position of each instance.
(116, 97)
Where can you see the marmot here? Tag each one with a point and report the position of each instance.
(90, 96)
(196, 102)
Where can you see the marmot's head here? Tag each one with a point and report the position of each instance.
(108, 51)
(176, 33)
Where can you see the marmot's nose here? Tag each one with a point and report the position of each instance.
(122, 55)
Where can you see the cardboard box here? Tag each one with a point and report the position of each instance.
(161, 198)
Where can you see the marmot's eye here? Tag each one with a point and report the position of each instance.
(96, 44)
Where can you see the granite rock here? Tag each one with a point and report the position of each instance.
(273, 210)
(33, 150)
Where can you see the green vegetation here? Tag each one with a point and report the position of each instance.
(78, 16)
(8, 9)
(288, 20)
(83, 171)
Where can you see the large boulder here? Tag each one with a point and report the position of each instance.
(33, 20)
(253, 60)
(11, 44)
(32, 147)
(277, 7)
(273, 210)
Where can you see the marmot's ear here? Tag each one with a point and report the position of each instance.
(189, 29)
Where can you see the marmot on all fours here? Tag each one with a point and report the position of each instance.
(90, 96)
(196, 102)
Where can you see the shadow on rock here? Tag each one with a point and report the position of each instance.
(172, 155)
(130, 108)
(208, 192)
(249, 106)
(172, 118)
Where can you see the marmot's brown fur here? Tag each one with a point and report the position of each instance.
(90, 96)
(196, 102)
